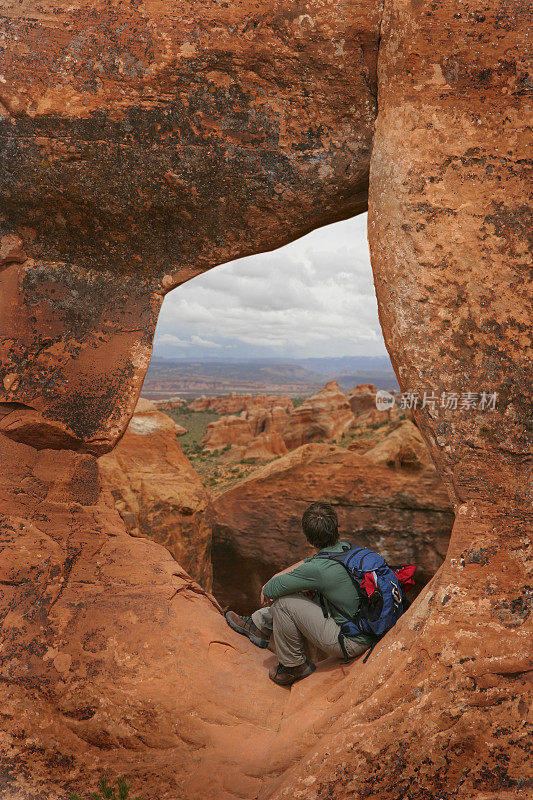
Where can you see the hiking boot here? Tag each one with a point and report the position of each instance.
(284, 676)
(245, 625)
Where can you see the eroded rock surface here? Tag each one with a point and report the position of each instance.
(74, 348)
(254, 435)
(157, 491)
(443, 710)
(234, 403)
(325, 416)
(169, 404)
(261, 448)
(225, 432)
(141, 147)
(268, 420)
(114, 661)
(403, 448)
(399, 510)
(362, 400)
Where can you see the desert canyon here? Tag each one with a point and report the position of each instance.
(142, 144)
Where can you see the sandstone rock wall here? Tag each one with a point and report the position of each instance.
(261, 448)
(232, 404)
(403, 448)
(114, 661)
(226, 431)
(362, 400)
(157, 491)
(268, 420)
(142, 147)
(170, 404)
(444, 708)
(254, 434)
(325, 416)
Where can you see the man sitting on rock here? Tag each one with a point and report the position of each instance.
(292, 612)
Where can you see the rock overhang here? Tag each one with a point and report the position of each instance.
(142, 147)
(147, 142)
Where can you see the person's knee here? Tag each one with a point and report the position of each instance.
(285, 602)
(294, 606)
(278, 607)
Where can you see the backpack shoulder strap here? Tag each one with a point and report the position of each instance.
(327, 605)
(340, 558)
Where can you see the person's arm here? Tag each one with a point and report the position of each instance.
(288, 569)
(266, 601)
(304, 578)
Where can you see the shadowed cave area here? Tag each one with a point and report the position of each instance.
(142, 147)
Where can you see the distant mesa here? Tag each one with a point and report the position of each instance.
(233, 403)
(300, 377)
(327, 416)
(170, 404)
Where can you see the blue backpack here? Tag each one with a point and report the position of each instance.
(379, 590)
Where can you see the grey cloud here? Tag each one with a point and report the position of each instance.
(313, 297)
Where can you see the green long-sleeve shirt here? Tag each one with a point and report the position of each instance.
(324, 576)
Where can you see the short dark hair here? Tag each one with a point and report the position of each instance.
(320, 525)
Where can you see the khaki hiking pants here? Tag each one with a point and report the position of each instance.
(295, 618)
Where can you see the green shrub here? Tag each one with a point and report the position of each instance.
(107, 792)
(297, 401)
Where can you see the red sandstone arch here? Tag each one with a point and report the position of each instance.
(271, 105)
(144, 147)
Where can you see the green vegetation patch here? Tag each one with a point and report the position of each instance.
(196, 423)
(297, 401)
(108, 792)
(216, 473)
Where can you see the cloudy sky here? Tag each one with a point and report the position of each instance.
(313, 297)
